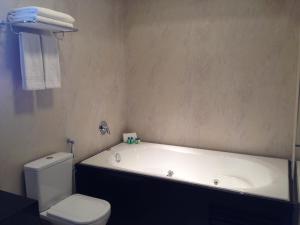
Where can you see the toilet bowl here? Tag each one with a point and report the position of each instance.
(49, 180)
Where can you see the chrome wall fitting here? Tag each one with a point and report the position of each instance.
(71, 143)
(103, 128)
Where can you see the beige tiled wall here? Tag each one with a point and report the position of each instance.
(34, 124)
(213, 74)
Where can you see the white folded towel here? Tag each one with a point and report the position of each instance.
(16, 19)
(39, 11)
(31, 62)
(50, 52)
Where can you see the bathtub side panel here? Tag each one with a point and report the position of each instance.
(138, 199)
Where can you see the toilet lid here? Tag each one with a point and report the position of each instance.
(80, 209)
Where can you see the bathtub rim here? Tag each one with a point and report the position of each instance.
(290, 184)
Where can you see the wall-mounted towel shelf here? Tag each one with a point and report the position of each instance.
(37, 25)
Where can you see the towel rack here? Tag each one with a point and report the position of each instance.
(36, 25)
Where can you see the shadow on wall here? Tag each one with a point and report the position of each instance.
(24, 101)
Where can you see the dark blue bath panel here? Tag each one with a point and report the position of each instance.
(145, 200)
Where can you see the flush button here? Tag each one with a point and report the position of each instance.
(49, 157)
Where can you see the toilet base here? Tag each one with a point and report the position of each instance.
(57, 222)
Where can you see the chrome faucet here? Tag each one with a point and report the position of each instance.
(103, 128)
(118, 157)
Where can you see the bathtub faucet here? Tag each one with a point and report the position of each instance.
(104, 128)
(118, 157)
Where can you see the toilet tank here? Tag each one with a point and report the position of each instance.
(49, 179)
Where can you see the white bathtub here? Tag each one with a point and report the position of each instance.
(255, 175)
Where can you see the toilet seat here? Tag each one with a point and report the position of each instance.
(80, 210)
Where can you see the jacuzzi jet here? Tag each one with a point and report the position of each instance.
(170, 173)
(216, 181)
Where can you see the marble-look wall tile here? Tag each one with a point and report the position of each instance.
(34, 124)
(213, 74)
(210, 73)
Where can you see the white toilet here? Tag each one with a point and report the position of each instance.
(49, 180)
